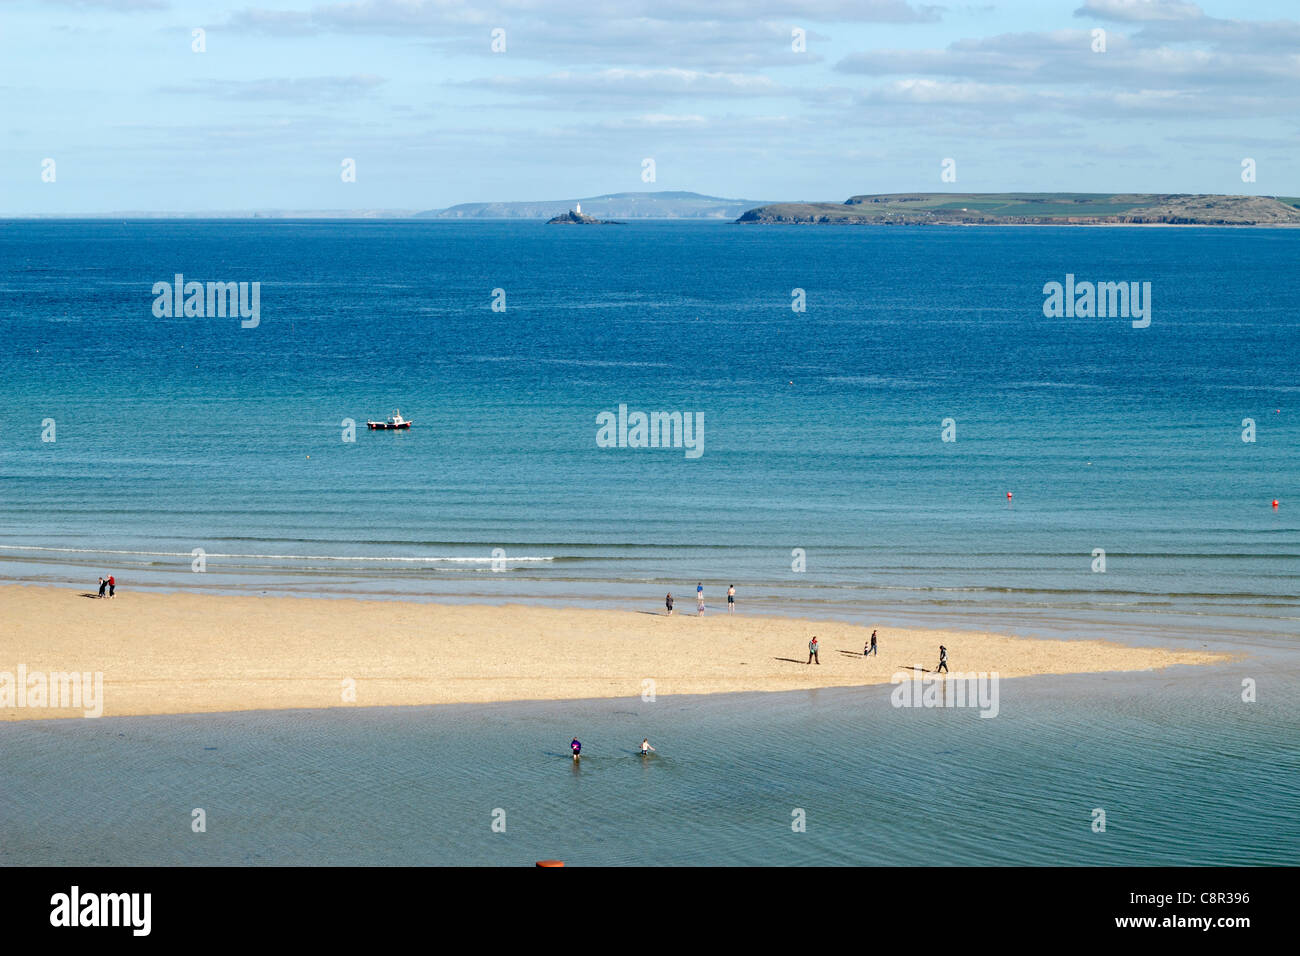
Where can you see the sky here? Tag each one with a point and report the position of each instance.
(119, 105)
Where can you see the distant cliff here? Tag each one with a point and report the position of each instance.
(660, 205)
(1036, 209)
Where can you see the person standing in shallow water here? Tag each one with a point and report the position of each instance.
(669, 602)
(943, 660)
(731, 599)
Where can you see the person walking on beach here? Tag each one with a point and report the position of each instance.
(646, 749)
(870, 648)
(731, 599)
(576, 747)
(812, 651)
(699, 599)
(943, 660)
(669, 601)
(112, 585)
(103, 583)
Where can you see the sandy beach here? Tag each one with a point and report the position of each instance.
(190, 653)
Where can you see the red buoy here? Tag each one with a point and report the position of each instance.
(1274, 502)
(1008, 496)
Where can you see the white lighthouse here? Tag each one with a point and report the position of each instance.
(577, 207)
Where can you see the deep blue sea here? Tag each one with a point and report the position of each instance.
(824, 487)
(822, 430)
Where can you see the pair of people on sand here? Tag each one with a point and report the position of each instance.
(870, 649)
(867, 649)
(699, 599)
(109, 583)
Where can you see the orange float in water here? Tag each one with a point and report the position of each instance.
(1274, 502)
(550, 863)
(1008, 496)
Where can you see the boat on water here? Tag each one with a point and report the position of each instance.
(395, 420)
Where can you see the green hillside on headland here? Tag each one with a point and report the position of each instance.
(1187, 209)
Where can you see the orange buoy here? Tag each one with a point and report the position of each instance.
(1274, 502)
(1008, 496)
(550, 863)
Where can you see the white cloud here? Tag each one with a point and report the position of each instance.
(1138, 11)
(619, 82)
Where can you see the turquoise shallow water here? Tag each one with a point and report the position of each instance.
(1185, 772)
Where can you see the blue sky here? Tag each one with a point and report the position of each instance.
(134, 119)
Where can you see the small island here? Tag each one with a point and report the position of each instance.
(575, 216)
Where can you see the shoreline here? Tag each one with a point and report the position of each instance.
(180, 653)
(377, 710)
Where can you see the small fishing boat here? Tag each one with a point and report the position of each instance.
(395, 420)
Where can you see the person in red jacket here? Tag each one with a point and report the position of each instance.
(112, 585)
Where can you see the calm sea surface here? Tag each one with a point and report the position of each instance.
(822, 450)
(1185, 772)
(822, 429)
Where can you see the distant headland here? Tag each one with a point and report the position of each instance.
(647, 205)
(1181, 209)
(973, 209)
